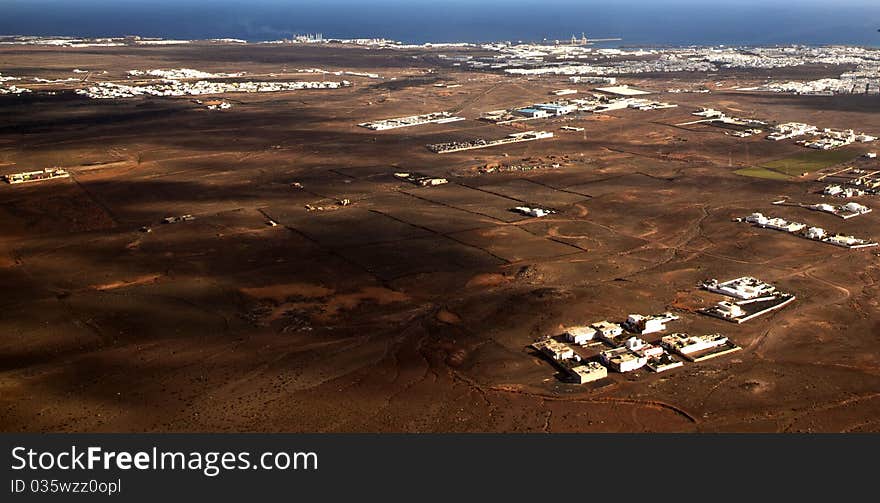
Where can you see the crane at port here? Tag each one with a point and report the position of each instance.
(583, 40)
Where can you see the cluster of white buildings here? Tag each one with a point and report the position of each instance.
(753, 298)
(837, 190)
(822, 87)
(36, 176)
(821, 139)
(411, 120)
(660, 65)
(790, 130)
(565, 357)
(110, 90)
(859, 183)
(534, 59)
(65, 41)
(863, 80)
(845, 211)
(807, 232)
(181, 74)
(597, 103)
(828, 139)
(628, 353)
(11, 88)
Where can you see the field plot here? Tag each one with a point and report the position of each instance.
(811, 161)
(470, 199)
(761, 172)
(333, 229)
(514, 244)
(391, 261)
(533, 192)
(433, 216)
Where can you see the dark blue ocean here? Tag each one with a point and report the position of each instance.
(639, 22)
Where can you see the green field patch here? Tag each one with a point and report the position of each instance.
(759, 172)
(811, 161)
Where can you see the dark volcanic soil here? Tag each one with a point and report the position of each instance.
(411, 308)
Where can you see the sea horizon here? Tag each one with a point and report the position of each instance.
(638, 22)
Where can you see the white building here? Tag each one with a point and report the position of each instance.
(607, 330)
(757, 218)
(685, 344)
(832, 190)
(588, 372)
(729, 310)
(622, 359)
(533, 212)
(634, 344)
(533, 113)
(554, 349)
(580, 334)
(639, 324)
(816, 233)
(744, 288)
(856, 208)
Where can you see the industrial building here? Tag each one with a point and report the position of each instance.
(176, 219)
(533, 113)
(623, 90)
(412, 120)
(533, 212)
(812, 233)
(423, 180)
(577, 79)
(36, 176)
(458, 146)
(557, 109)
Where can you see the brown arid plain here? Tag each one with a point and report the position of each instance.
(411, 309)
